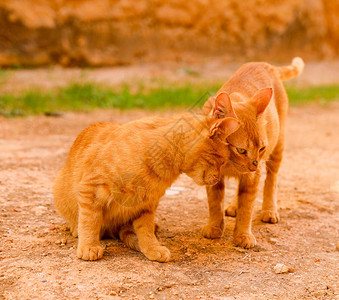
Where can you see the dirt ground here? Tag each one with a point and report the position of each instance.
(210, 70)
(38, 255)
(35, 265)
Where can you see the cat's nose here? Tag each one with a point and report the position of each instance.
(252, 167)
(255, 163)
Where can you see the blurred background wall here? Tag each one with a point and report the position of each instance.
(118, 32)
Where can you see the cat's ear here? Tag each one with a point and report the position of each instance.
(225, 127)
(223, 106)
(261, 99)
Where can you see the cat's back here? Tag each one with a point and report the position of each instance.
(250, 78)
(94, 132)
(91, 138)
(113, 142)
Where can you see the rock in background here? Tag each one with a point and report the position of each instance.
(117, 32)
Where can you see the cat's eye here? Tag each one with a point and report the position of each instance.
(262, 149)
(241, 151)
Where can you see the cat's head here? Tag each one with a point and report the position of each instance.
(248, 144)
(211, 152)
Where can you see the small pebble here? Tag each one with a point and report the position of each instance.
(281, 269)
(51, 227)
(274, 240)
(40, 210)
(58, 242)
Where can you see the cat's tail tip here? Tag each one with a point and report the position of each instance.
(299, 64)
(293, 70)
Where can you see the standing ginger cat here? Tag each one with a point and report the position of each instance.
(260, 103)
(115, 175)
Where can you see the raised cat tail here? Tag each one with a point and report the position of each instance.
(293, 70)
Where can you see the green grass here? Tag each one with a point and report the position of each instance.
(319, 94)
(86, 97)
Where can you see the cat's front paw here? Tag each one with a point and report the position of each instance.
(270, 216)
(90, 252)
(212, 232)
(157, 253)
(231, 211)
(245, 240)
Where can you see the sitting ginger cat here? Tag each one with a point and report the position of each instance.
(115, 175)
(260, 103)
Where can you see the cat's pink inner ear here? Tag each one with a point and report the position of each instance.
(261, 99)
(215, 128)
(230, 125)
(223, 106)
(225, 126)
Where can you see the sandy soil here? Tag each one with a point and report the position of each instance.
(210, 70)
(35, 265)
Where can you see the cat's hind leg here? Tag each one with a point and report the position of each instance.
(144, 228)
(128, 236)
(269, 213)
(73, 227)
(231, 210)
(65, 200)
